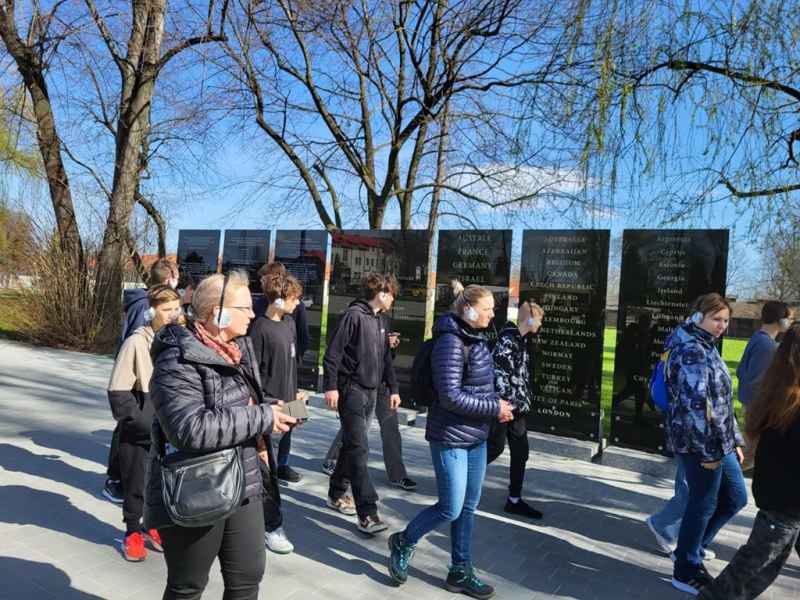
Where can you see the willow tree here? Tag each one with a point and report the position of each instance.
(691, 106)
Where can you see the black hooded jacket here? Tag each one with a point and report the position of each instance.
(201, 405)
(359, 351)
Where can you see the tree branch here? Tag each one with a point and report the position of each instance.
(784, 189)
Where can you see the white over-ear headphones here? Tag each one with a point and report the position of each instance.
(471, 314)
(383, 297)
(280, 303)
(149, 315)
(785, 323)
(696, 318)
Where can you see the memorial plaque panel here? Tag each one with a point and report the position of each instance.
(403, 254)
(663, 271)
(246, 250)
(198, 252)
(565, 272)
(303, 253)
(480, 256)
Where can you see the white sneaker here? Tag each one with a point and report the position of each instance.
(278, 542)
(662, 542)
(708, 555)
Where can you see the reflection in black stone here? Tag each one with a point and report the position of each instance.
(565, 272)
(246, 250)
(303, 253)
(479, 256)
(198, 252)
(403, 254)
(663, 271)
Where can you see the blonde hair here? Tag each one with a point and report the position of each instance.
(466, 295)
(207, 294)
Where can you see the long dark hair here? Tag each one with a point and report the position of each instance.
(777, 404)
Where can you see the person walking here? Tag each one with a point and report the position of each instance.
(357, 360)
(703, 434)
(275, 346)
(135, 307)
(457, 427)
(773, 428)
(129, 397)
(389, 424)
(512, 380)
(207, 396)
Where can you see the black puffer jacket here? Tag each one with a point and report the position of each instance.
(466, 402)
(189, 377)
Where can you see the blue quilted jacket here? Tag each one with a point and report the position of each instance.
(700, 418)
(466, 402)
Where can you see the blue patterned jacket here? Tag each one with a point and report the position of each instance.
(700, 419)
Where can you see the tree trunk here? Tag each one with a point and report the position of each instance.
(48, 141)
(132, 129)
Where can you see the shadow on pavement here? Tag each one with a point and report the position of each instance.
(26, 506)
(78, 444)
(49, 466)
(20, 580)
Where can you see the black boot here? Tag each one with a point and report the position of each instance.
(462, 578)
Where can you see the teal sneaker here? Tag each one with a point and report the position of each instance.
(462, 579)
(400, 555)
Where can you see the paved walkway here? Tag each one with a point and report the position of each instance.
(58, 536)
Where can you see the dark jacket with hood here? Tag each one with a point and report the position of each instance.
(700, 419)
(466, 402)
(134, 305)
(512, 377)
(359, 351)
(201, 403)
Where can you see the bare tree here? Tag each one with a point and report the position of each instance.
(354, 95)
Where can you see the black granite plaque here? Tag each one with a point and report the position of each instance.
(663, 271)
(479, 256)
(303, 252)
(198, 252)
(403, 254)
(565, 272)
(246, 250)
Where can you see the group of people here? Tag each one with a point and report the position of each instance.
(703, 433)
(202, 370)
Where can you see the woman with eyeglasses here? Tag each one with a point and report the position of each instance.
(207, 396)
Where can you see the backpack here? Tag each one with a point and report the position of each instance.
(422, 389)
(659, 392)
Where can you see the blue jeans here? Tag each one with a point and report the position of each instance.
(284, 448)
(667, 521)
(459, 478)
(715, 496)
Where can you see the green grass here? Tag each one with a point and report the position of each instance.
(12, 316)
(732, 350)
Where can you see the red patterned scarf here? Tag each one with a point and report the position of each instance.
(229, 351)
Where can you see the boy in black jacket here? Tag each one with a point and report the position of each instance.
(357, 360)
(512, 382)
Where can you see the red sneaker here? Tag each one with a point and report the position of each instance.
(154, 538)
(133, 547)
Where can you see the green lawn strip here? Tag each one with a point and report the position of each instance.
(11, 314)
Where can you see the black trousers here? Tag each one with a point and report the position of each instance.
(238, 542)
(355, 405)
(516, 432)
(133, 463)
(114, 471)
(757, 564)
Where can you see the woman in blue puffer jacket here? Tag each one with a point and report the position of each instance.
(457, 428)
